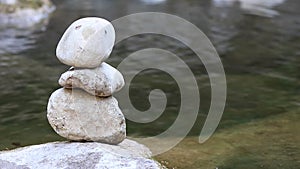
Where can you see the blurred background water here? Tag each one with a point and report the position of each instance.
(259, 47)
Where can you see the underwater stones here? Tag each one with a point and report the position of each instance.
(85, 108)
(103, 80)
(77, 115)
(86, 43)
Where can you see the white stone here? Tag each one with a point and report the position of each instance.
(86, 43)
(75, 155)
(77, 115)
(101, 81)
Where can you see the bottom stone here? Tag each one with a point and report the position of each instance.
(77, 115)
(127, 155)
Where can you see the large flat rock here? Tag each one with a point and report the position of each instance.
(76, 155)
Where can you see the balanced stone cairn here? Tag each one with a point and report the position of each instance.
(84, 109)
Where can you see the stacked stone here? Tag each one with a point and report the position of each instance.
(84, 109)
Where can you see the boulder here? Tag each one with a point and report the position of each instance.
(77, 115)
(102, 81)
(75, 155)
(86, 43)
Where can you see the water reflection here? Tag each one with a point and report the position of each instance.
(17, 40)
(255, 7)
(21, 35)
(153, 2)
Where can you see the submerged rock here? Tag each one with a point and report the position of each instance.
(77, 115)
(101, 81)
(21, 23)
(127, 155)
(86, 43)
(24, 14)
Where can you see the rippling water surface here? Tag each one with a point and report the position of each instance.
(259, 48)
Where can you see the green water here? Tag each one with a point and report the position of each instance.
(261, 57)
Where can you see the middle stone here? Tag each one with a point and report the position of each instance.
(102, 81)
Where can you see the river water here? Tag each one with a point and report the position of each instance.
(259, 48)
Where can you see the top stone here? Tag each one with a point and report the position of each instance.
(86, 43)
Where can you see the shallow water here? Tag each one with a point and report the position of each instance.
(261, 57)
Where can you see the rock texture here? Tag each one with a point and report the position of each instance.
(86, 43)
(101, 81)
(77, 115)
(91, 155)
